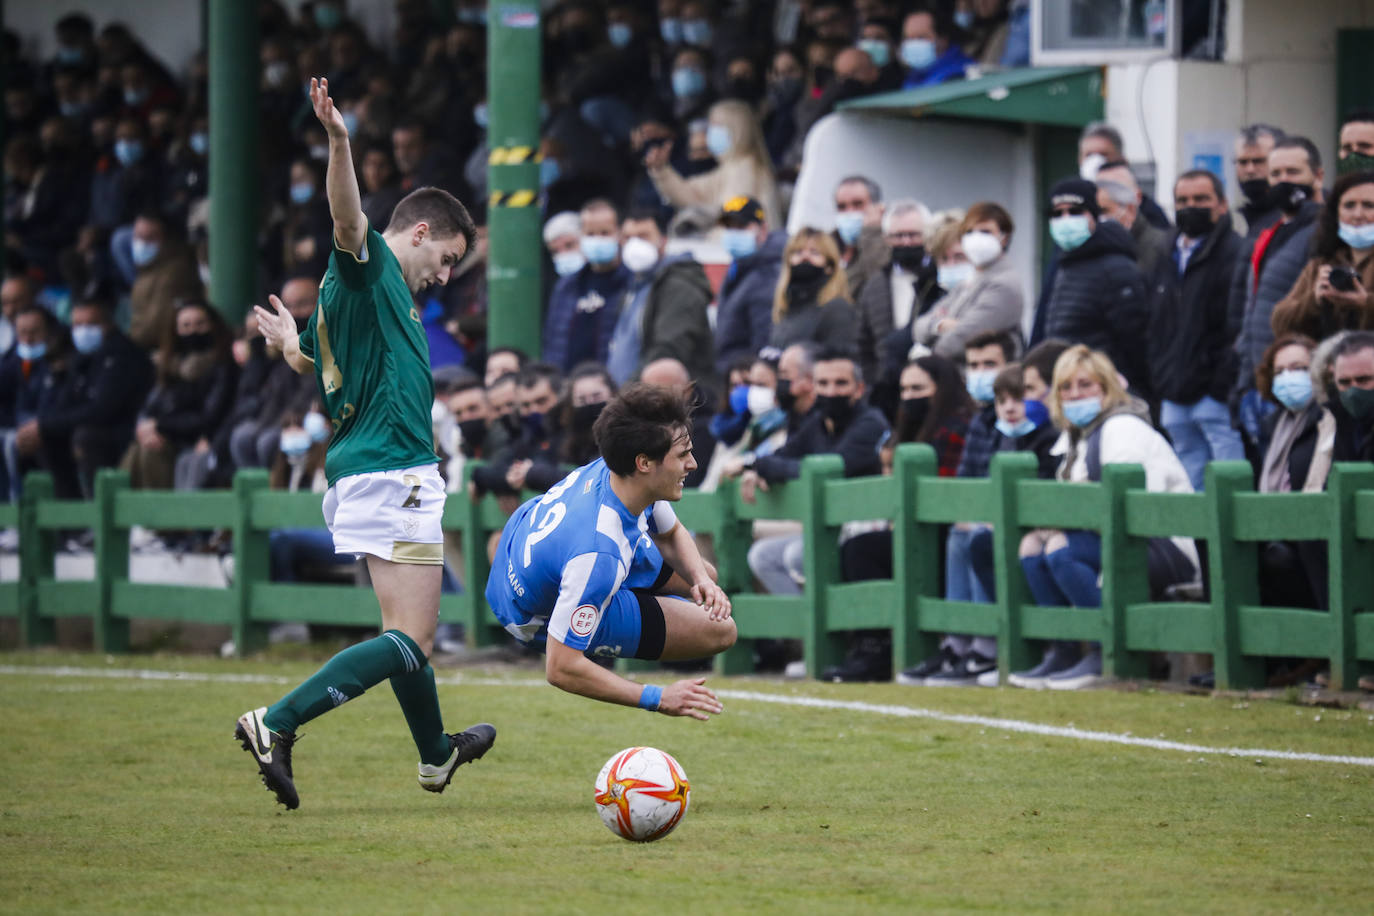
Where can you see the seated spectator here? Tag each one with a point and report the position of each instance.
(89, 421)
(422, 163)
(17, 293)
(192, 395)
(306, 233)
(1190, 339)
(744, 313)
(670, 373)
(732, 416)
(1101, 143)
(743, 169)
(590, 389)
(470, 410)
(1037, 368)
(1352, 370)
(1355, 152)
(380, 186)
(1333, 291)
(902, 288)
(987, 26)
(878, 37)
(930, 51)
(128, 178)
(812, 299)
(46, 203)
(753, 418)
(29, 373)
(583, 306)
(990, 300)
(531, 460)
(167, 275)
(503, 425)
(1119, 197)
(1101, 424)
(502, 361)
(563, 241)
(859, 230)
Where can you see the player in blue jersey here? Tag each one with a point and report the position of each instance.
(565, 570)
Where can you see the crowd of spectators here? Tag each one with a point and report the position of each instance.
(1166, 335)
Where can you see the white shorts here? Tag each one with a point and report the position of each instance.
(394, 515)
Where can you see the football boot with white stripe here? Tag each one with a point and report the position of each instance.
(272, 751)
(469, 744)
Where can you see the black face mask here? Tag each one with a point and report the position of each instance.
(823, 75)
(1289, 196)
(195, 343)
(474, 433)
(584, 416)
(1194, 222)
(850, 89)
(534, 425)
(910, 415)
(909, 257)
(742, 88)
(785, 91)
(806, 280)
(1256, 191)
(837, 408)
(784, 396)
(302, 324)
(510, 423)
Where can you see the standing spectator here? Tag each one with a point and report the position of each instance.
(744, 314)
(1101, 143)
(563, 241)
(1118, 196)
(901, 289)
(27, 373)
(858, 229)
(786, 82)
(1356, 151)
(930, 51)
(812, 298)
(1352, 371)
(590, 389)
(1252, 148)
(167, 275)
(583, 306)
(1192, 365)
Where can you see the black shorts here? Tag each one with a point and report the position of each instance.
(653, 629)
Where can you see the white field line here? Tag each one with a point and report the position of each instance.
(901, 712)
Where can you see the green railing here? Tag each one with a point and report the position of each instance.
(1229, 517)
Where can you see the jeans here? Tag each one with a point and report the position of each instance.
(777, 562)
(1067, 577)
(963, 583)
(1201, 432)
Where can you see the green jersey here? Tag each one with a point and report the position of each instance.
(371, 364)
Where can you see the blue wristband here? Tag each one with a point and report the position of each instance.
(650, 697)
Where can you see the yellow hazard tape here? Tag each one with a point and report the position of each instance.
(512, 155)
(522, 198)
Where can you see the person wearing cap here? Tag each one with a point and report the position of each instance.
(744, 315)
(1098, 297)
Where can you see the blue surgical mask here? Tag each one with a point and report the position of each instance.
(144, 252)
(979, 384)
(135, 97)
(549, 171)
(71, 109)
(128, 151)
(963, 19)
(1358, 237)
(69, 56)
(568, 262)
(316, 426)
(879, 51)
(1015, 430)
(327, 17)
(918, 53)
(295, 442)
(1293, 388)
(619, 34)
(739, 398)
(718, 139)
(301, 192)
(688, 82)
(31, 351)
(1082, 411)
(739, 243)
(199, 142)
(350, 120)
(849, 224)
(671, 30)
(951, 275)
(1069, 232)
(599, 249)
(87, 338)
(696, 32)
(481, 115)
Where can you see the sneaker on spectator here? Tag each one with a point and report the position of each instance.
(449, 639)
(9, 540)
(1205, 680)
(795, 670)
(988, 678)
(964, 672)
(916, 675)
(870, 659)
(1087, 673)
(1059, 656)
(288, 632)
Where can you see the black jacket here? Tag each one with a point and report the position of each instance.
(1191, 337)
(103, 389)
(1099, 300)
(1037, 442)
(195, 401)
(857, 444)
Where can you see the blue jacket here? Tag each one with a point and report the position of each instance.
(563, 307)
(744, 315)
(948, 66)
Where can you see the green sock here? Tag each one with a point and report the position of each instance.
(344, 677)
(420, 702)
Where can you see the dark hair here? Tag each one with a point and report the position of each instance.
(444, 213)
(644, 215)
(742, 363)
(875, 193)
(951, 399)
(521, 358)
(1042, 358)
(533, 373)
(1314, 156)
(641, 420)
(987, 210)
(1358, 116)
(579, 446)
(166, 358)
(505, 378)
(833, 354)
(1354, 342)
(447, 380)
(1326, 243)
(1203, 173)
(466, 382)
(993, 338)
(1251, 133)
(1011, 382)
(1264, 370)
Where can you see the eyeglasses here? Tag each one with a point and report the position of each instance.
(1068, 211)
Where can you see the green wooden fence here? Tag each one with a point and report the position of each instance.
(1229, 517)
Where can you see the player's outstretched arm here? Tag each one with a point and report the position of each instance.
(278, 328)
(340, 182)
(679, 548)
(568, 669)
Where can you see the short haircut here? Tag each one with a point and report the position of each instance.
(1358, 116)
(1314, 156)
(467, 382)
(448, 378)
(901, 207)
(1203, 173)
(835, 354)
(561, 224)
(444, 213)
(875, 193)
(534, 373)
(600, 203)
(1042, 358)
(806, 352)
(1352, 343)
(521, 358)
(986, 210)
(644, 215)
(1010, 382)
(1119, 193)
(1106, 131)
(506, 378)
(993, 339)
(1251, 134)
(641, 420)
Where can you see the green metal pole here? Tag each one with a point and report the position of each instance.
(514, 258)
(232, 36)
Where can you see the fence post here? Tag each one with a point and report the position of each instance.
(1350, 571)
(252, 562)
(731, 544)
(821, 648)
(111, 561)
(1008, 469)
(1234, 574)
(915, 558)
(476, 567)
(1125, 571)
(36, 561)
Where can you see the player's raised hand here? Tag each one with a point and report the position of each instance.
(712, 599)
(689, 698)
(329, 116)
(277, 327)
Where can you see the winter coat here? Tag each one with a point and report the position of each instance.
(21, 393)
(744, 315)
(857, 444)
(567, 293)
(990, 301)
(833, 324)
(193, 403)
(874, 307)
(675, 322)
(102, 389)
(1300, 312)
(871, 255)
(168, 278)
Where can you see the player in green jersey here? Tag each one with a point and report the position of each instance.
(370, 357)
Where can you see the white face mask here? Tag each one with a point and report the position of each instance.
(951, 275)
(638, 255)
(761, 400)
(1090, 166)
(982, 248)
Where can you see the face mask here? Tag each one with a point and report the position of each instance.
(473, 433)
(1195, 222)
(837, 408)
(785, 90)
(295, 443)
(1015, 430)
(599, 249)
(760, 400)
(1091, 165)
(568, 262)
(849, 225)
(481, 115)
(128, 152)
(688, 83)
(316, 426)
(199, 142)
(87, 338)
(135, 97)
(585, 415)
(1069, 232)
(473, 16)
(301, 192)
(350, 120)
(849, 89)
(619, 34)
(1256, 191)
(718, 140)
(963, 19)
(1289, 196)
(638, 255)
(31, 351)
(671, 31)
(534, 425)
(981, 248)
(784, 396)
(549, 172)
(70, 56)
(822, 75)
(740, 243)
(1358, 402)
(275, 74)
(144, 252)
(696, 32)
(71, 109)
(195, 343)
(806, 278)
(879, 51)
(1355, 162)
(204, 271)
(911, 415)
(1293, 388)
(327, 17)
(1082, 411)
(951, 275)
(1358, 237)
(739, 398)
(909, 257)
(918, 53)
(511, 423)
(979, 384)
(320, 153)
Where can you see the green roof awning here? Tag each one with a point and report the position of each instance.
(1066, 96)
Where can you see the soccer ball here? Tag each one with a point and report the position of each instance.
(642, 794)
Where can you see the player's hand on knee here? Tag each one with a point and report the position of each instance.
(712, 598)
(689, 698)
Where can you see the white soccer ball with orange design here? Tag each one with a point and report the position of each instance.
(642, 794)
